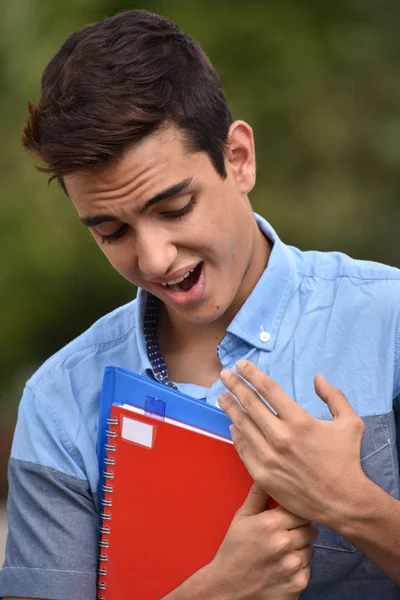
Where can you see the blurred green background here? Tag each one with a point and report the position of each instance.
(318, 81)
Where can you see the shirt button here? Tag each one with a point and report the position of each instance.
(265, 336)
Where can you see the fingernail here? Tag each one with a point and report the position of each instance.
(241, 364)
(225, 374)
(222, 398)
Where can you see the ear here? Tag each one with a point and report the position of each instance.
(240, 159)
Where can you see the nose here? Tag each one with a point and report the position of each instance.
(155, 254)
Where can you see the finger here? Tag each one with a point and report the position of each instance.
(285, 407)
(334, 398)
(303, 536)
(241, 420)
(248, 449)
(306, 554)
(288, 520)
(255, 503)
(249, 400)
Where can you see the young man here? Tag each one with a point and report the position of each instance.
(134, 123)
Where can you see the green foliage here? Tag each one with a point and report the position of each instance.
(318, 81)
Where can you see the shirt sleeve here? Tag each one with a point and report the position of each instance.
(51, 549)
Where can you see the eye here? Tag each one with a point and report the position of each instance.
(113, 237)
(176, 214)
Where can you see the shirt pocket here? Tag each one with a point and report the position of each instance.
(379, 463)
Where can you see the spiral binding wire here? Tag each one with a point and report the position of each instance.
(106, 517)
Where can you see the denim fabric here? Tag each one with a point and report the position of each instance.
(46, 508)
(339, 571)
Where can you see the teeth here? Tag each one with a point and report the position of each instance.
(178, 280)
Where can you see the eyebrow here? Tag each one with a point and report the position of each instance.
(170, 192)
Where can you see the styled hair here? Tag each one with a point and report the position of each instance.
(113, 83)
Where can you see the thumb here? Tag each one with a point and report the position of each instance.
(255, 503)
(335, 399)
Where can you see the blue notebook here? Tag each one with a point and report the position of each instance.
(123, 387)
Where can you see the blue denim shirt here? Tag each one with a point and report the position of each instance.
(310, 312)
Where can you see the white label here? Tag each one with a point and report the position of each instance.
(138, 432)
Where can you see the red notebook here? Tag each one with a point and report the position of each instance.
(171, 493)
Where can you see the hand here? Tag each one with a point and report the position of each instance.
(309, 466)
(265, 554)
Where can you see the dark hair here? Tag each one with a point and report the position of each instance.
(113, 83)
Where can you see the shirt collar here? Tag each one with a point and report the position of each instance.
(142, 297)
(152, 360)
(259, 319)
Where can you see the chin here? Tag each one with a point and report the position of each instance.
(207, 316)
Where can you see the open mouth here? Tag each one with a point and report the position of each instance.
(188, 282)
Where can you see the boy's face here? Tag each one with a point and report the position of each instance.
(162, 215)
